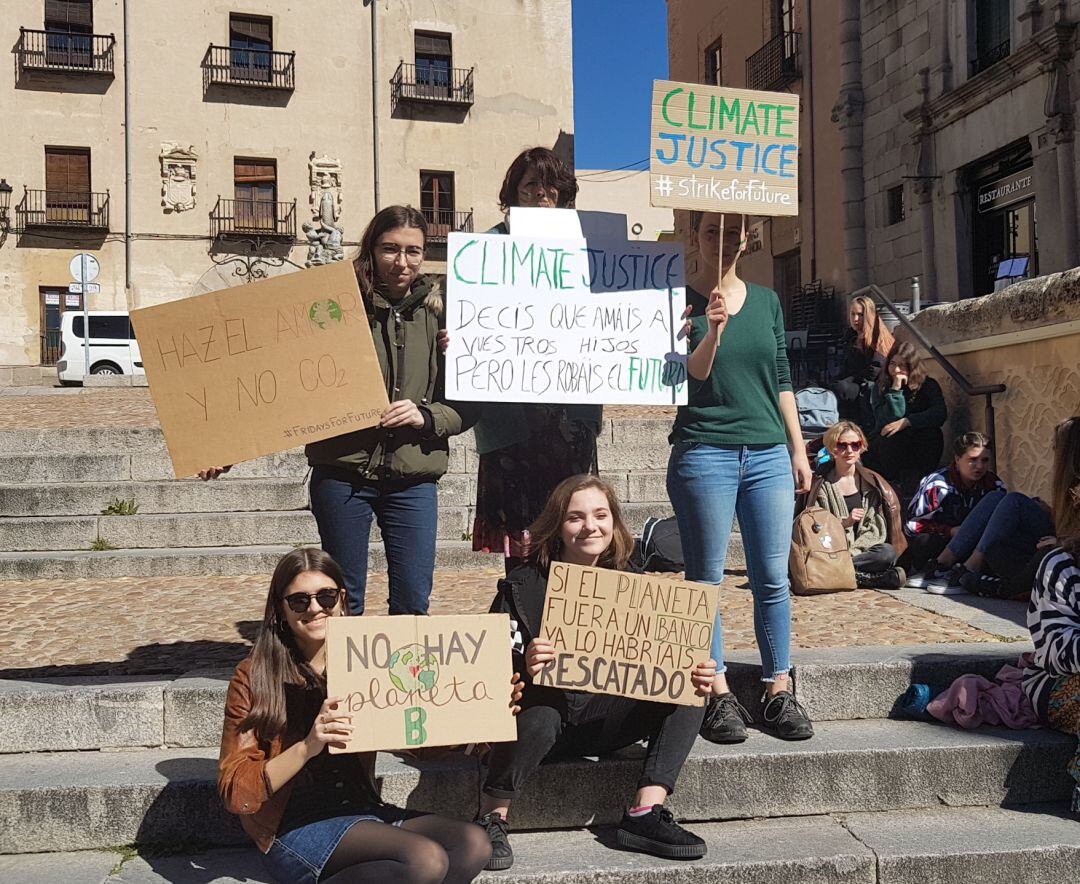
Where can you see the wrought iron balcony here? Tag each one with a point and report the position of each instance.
(253, 218)
(776, 64)
(63, 208)
(260, 68)
(990, 57)
(441, 223)
(432, 85)
(64, 52)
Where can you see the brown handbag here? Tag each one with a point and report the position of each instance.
(820, 560)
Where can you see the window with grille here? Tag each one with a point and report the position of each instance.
(434, 60)
(69, 25)
(255, 192)
(437, 202)
(991, 23)
(251, 41)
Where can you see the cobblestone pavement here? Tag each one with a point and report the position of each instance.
(133, 407)
(176, 624)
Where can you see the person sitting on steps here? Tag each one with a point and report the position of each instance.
(582, 524)
(865, 504)
(938, 527)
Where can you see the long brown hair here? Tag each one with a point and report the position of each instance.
(545, 534)
(390, 218)
(276, 660)
(551, 171)
(906, 354)
(1066, 484)
(874, 334)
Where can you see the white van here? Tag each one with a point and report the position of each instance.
(113, 348)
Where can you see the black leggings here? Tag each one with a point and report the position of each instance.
(427, 849)
(880, 557)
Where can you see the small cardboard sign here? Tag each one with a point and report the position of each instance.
(570, 321)
(635, 635)
(422, 681)
(261, 368)
(717, 149)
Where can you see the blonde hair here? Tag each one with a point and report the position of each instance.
(833, 434)
(874, 335)
(1066, 484)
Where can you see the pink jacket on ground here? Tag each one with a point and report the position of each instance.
(972, 700)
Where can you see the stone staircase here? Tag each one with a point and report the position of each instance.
(56, 484)
(89, 765)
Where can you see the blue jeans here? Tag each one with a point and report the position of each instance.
(709, 485)
(1002, 522)
(300, 855)
(408, 518)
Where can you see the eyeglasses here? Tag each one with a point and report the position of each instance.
(414, 255)
(299, 602)
(849, 446)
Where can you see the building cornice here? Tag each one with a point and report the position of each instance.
(1048, 46)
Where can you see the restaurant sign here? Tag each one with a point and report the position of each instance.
(1005, 191)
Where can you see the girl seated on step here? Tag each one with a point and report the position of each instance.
(865, 504)
(582, 524)
(318, 817)
(1053, 680)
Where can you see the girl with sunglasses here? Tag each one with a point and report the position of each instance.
(318, 817)
(865, 504)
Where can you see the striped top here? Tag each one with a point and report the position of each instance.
(1054, 622)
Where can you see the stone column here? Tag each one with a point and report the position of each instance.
(923, 186)
(848, 114)
(1059, 126)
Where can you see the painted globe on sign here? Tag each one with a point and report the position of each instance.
(324, 312)
(411, 670)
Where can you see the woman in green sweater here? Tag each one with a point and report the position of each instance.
(738, 450)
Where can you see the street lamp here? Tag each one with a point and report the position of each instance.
(5, 204)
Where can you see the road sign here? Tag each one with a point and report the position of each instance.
(84, 268)
(87, 288)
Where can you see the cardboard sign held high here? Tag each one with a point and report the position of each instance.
(422, 681)
(635, 635)
(716, 149)
(261, 368)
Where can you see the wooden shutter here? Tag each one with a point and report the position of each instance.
(432, 44)
(77, 14)
(257, 30)
(67, 169)
(254, 171)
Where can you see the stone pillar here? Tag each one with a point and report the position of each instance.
(848, 115)
(1060, 128)
(922, 180)
(956, 277)
(1031, 20)
(942, 71)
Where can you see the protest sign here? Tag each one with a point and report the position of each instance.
(574, 321)
(247, 371)
(635, 635)
(566, 223)
(421, 681)
(716, 149)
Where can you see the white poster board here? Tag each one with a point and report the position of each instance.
(565, 321)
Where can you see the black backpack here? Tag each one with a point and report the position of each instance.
(660, 548)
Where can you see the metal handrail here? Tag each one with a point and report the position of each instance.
(972, 390)
(442, 222)
(260, 68)
(62, 208)
(40, 50)
(775, 64)
(244, 217)
(439, 85)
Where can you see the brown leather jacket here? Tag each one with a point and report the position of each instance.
(894, 522)
(242, 781)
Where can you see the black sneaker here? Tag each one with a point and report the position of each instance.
(498, 832)
(783, 716)
(987, 585)
(725, 720)
(656, 832)
(893, 578)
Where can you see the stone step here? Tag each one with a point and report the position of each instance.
(89, 800)
(171, 530)
(33, 469)
(1038, 845)
(71, 714)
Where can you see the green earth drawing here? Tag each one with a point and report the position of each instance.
(326, 311)
(410, 670)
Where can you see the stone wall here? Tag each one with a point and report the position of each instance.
(1026, 337)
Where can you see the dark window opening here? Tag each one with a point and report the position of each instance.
(434, 60)
(894, 205)
(69, 25)
(250, 46)
(54, 303)
(991, 43)
(714, 68)
(437, 202)
(114, 327)
(255, 192)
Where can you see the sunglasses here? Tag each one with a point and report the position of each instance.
(849, 446)
(299, 602)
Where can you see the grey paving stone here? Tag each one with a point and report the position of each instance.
(1001, 617)
(84, 867)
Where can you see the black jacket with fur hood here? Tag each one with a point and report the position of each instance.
(412, 368)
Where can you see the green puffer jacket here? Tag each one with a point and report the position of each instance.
(405, 342)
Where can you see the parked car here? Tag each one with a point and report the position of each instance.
(113, 348)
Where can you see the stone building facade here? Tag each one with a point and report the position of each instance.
(244, 138)
(937, 136)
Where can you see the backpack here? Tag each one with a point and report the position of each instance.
(660, 547)
(817, 410)
(820, 560)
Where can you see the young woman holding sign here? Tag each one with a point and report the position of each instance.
(736, 447)
(318, 817)
(525, 449)
(582, 524)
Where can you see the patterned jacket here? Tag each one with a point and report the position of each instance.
(942, 502)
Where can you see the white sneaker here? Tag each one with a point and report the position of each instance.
(943, 582)
(916, 580)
